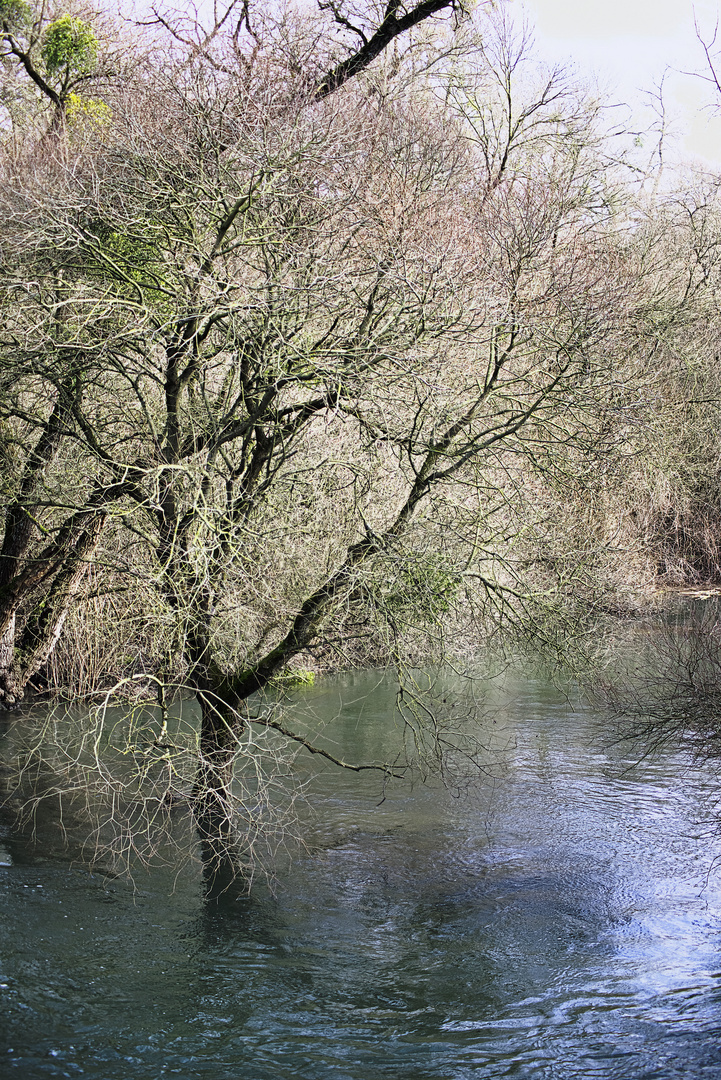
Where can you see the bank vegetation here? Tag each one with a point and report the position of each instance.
(338, 336)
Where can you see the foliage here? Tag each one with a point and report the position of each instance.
(15, 14)
(295, 678)
(70, 44)
(88, 112)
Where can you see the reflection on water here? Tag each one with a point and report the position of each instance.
(562, 923)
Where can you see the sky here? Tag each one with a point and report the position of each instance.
(627, 45)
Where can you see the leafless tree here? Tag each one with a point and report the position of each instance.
(279, 351)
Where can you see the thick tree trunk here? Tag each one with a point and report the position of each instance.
(21, 659)
(7, 656)
(220, 726)
(19, 529)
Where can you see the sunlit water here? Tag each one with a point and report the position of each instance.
(561, 921)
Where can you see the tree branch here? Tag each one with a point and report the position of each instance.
(388, 30)
(387, 770)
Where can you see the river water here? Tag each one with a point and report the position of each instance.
(563, 920)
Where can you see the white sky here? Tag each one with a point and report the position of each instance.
(627, 44)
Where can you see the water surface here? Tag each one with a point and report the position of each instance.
(562, 921)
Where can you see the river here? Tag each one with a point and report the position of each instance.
(561, 921)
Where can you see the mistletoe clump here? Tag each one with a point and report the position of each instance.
(69, 44)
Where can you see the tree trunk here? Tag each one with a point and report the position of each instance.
(20, 660)
(220, 726)
(7, 655)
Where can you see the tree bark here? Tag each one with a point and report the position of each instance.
(221, 725)
(20, 661)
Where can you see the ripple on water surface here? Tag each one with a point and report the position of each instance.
(562, 924)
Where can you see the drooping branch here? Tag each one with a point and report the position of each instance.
(387, 770)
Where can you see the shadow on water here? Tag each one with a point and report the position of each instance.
(561, 925)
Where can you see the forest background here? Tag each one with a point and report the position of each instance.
(337, 335)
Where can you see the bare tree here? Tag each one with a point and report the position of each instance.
(275, 343)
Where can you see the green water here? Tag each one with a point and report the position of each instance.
(562, 921)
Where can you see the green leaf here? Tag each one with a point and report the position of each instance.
(69, 43)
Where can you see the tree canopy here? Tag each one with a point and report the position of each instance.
(302, 337)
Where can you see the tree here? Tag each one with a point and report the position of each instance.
(56, 58)
(283, 356)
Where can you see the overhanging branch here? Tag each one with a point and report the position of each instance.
(387, 770)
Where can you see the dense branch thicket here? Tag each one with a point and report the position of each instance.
(296, 356)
